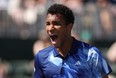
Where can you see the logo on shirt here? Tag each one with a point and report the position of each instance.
(77, 63)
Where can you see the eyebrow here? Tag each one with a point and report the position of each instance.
(56, 22)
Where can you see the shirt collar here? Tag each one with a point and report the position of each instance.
(56, 53)
(74, 46)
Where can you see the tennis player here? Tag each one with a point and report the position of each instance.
(67, 57)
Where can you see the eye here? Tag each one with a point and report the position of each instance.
(47, 23)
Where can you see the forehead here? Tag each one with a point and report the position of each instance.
(54, 17)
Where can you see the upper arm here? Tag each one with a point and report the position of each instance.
(100, 64)
(37, 68)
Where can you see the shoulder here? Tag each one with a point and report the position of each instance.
(88, 49)
(83, 45)
(42, 55)
(45, 51)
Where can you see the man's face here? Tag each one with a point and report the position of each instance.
(57, 30)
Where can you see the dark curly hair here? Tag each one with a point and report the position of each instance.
(64, 11)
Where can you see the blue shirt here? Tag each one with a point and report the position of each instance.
(83, 61)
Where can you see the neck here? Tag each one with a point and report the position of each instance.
(64, 50)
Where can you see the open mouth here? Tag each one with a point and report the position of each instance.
(53, 38)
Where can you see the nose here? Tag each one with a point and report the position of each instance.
(51, 27)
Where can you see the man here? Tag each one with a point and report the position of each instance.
(67, 57)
